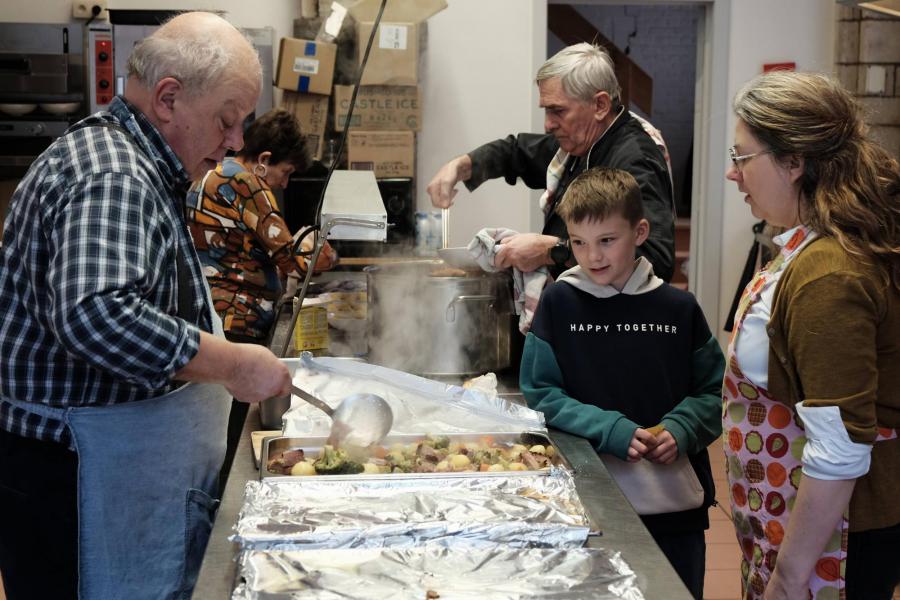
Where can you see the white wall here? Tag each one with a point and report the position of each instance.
(480, 66)
(765, 31)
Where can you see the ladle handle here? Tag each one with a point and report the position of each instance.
(313, 400)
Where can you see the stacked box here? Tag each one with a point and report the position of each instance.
(311, 111)
(306, 66)
(389, 153)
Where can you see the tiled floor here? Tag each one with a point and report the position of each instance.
(723, 556)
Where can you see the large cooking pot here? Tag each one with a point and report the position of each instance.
(422, 321)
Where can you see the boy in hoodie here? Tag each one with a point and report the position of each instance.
(614, 353)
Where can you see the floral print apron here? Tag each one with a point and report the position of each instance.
(763, 443)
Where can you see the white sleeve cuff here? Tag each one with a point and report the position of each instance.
(829, 453)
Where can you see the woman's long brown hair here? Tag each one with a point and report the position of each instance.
(850, 185)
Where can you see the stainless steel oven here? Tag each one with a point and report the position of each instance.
(42, 89)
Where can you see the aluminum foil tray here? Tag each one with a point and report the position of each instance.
(525, 510)
(438, 572)
(312, 446)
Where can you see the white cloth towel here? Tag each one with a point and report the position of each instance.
(527, 287)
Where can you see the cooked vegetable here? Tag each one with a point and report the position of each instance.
(437, 442)
(429, 455)
(335, 462)
(459, 462)
(303, 468)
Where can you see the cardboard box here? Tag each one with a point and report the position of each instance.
(393, 107)
(388, 153)
(399, 41)
(312, 112)
(306, 66)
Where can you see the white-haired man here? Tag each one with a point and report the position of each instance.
(586, 126)
(108, 456)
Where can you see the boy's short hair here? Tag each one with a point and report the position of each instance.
(599, 193)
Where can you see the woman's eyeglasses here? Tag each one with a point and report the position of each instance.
(739, 159)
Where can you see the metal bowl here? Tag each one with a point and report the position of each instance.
(459, 257)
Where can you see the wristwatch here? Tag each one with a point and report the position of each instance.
(560, 252)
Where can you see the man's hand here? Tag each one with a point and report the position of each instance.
(525, 251)
(642, 442)
(442, 186)
(257, 374)
(666, 450)
(250, 372)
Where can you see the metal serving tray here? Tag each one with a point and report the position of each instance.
(311, 446)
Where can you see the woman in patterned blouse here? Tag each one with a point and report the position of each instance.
(243, 242)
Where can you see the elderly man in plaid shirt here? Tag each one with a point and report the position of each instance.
(114, 385)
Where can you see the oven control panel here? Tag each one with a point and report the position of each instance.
(100, 71)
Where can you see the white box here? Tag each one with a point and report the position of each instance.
(354, 195)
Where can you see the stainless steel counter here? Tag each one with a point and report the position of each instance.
(621, 527)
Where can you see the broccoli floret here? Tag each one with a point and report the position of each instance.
(335, 462)
(400, 462)
(437, 442)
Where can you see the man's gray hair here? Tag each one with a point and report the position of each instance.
(583, 70)
(196, 62)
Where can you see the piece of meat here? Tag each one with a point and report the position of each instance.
(529, 460)
(291, 457)
(427, 453)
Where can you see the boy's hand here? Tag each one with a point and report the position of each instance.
(641, 443)
(666, 450)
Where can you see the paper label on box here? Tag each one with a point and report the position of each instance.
(308, 66)
(392, 36)
(335, 20)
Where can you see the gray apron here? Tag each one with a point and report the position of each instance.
(147, 477)
(147, 480)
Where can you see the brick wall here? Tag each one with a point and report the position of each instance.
(867, 57)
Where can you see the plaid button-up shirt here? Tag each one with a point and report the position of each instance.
(88, 277)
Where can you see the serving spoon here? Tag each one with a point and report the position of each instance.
(359, 420)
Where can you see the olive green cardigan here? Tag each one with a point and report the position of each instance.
(835, 341)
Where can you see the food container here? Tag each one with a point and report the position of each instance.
(433, 571)
(312, 446)
(525, 511)
(425, 321)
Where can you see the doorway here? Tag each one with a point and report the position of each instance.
(655, 51)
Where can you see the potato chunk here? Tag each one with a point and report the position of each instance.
(303, 468)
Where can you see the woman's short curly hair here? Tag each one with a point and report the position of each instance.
(278, 132)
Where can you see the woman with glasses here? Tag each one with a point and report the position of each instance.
(812, 387)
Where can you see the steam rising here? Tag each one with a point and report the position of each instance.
(418, 324)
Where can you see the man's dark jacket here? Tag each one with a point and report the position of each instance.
(625, 145)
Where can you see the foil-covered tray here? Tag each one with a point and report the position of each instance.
(312, 447)
(436, 572)
(527, 510)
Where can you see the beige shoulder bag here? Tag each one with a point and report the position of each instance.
(653, 488)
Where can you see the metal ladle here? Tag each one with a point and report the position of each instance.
(359, 420)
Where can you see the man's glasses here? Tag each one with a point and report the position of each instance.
(739, 159)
